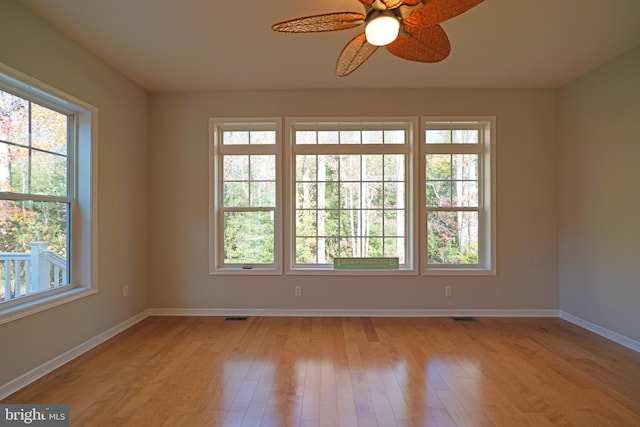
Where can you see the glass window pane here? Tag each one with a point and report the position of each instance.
(235, 194)
(328, 196)
(394, 167)
(248, 237)
(48, 174)
(305, 137)
(373, 247)
(306, 250)
(350, 168)
(306, 223)
(372, 221)
(14, 119)
(438, 166)
(438, 193)
(465, 166)
(350, 222)
(372, 137)
(235, 168)
(263, 168)
(263, 194)
(394, 223)
(372, 195)
(306, 168)
(14, 168)
(394, 137)
(438, 136)
(350, 195)
(465, 136)
(262, 137)
(350, 137)
(35, 233)
(394, 247)
(452, 238)
(329, 223)
(350, 247)
(328, 137)
(328, 168)
(306, 195)
(394, 195)
(235, 137)
(48, 129)
(372, 167)
(465, 193)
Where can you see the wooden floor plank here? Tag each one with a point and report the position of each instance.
(203, 371)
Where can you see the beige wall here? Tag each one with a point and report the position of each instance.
(33, 47)
(526, 195)
(599, 240)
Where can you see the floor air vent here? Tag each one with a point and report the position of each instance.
(235, 318)
(464, 319)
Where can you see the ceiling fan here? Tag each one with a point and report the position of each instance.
(410, 29)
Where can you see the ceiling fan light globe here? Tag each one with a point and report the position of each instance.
(382, 30)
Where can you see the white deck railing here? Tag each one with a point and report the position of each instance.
(29, 272)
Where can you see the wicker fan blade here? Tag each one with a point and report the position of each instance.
(320, 23)
(437, 11)
(353, 55)
(392, 4)
(424, 44)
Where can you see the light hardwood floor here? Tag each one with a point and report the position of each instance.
(205, 371)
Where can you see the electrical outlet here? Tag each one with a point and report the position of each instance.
(448, 291)
(125, 290)
(298, 291)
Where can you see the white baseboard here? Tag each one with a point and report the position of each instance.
(604, 332)
(42, 370)
(270, 312)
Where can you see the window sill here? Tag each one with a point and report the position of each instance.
(18, 310)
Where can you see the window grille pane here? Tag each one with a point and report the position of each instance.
(350, 137)
(306, 137)
(235, 194)
(328, 137)
(467, 136)
(14, 168)
(372, 137)
(263, 168)
(48, 129)
(452, 237)
(33, 240)
(350, 167)
(249, 237)
(235, 137)
(394, 137)
(235, 168)
(262, 194)
(14, 119)
(438, 136)
(372, 167)
(48, 174)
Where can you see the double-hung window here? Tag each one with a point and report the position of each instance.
(46, 205)
(459, 221)
(245, 158)
(351, 192)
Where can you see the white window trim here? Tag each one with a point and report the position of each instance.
(215, 221)
(487, 229)
(84, 225)
(289, 207)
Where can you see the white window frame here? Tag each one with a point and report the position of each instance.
(216, 151)
(302, 123)
(82, 251)
(486, 198)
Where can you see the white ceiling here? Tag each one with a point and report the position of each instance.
(183, 45)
